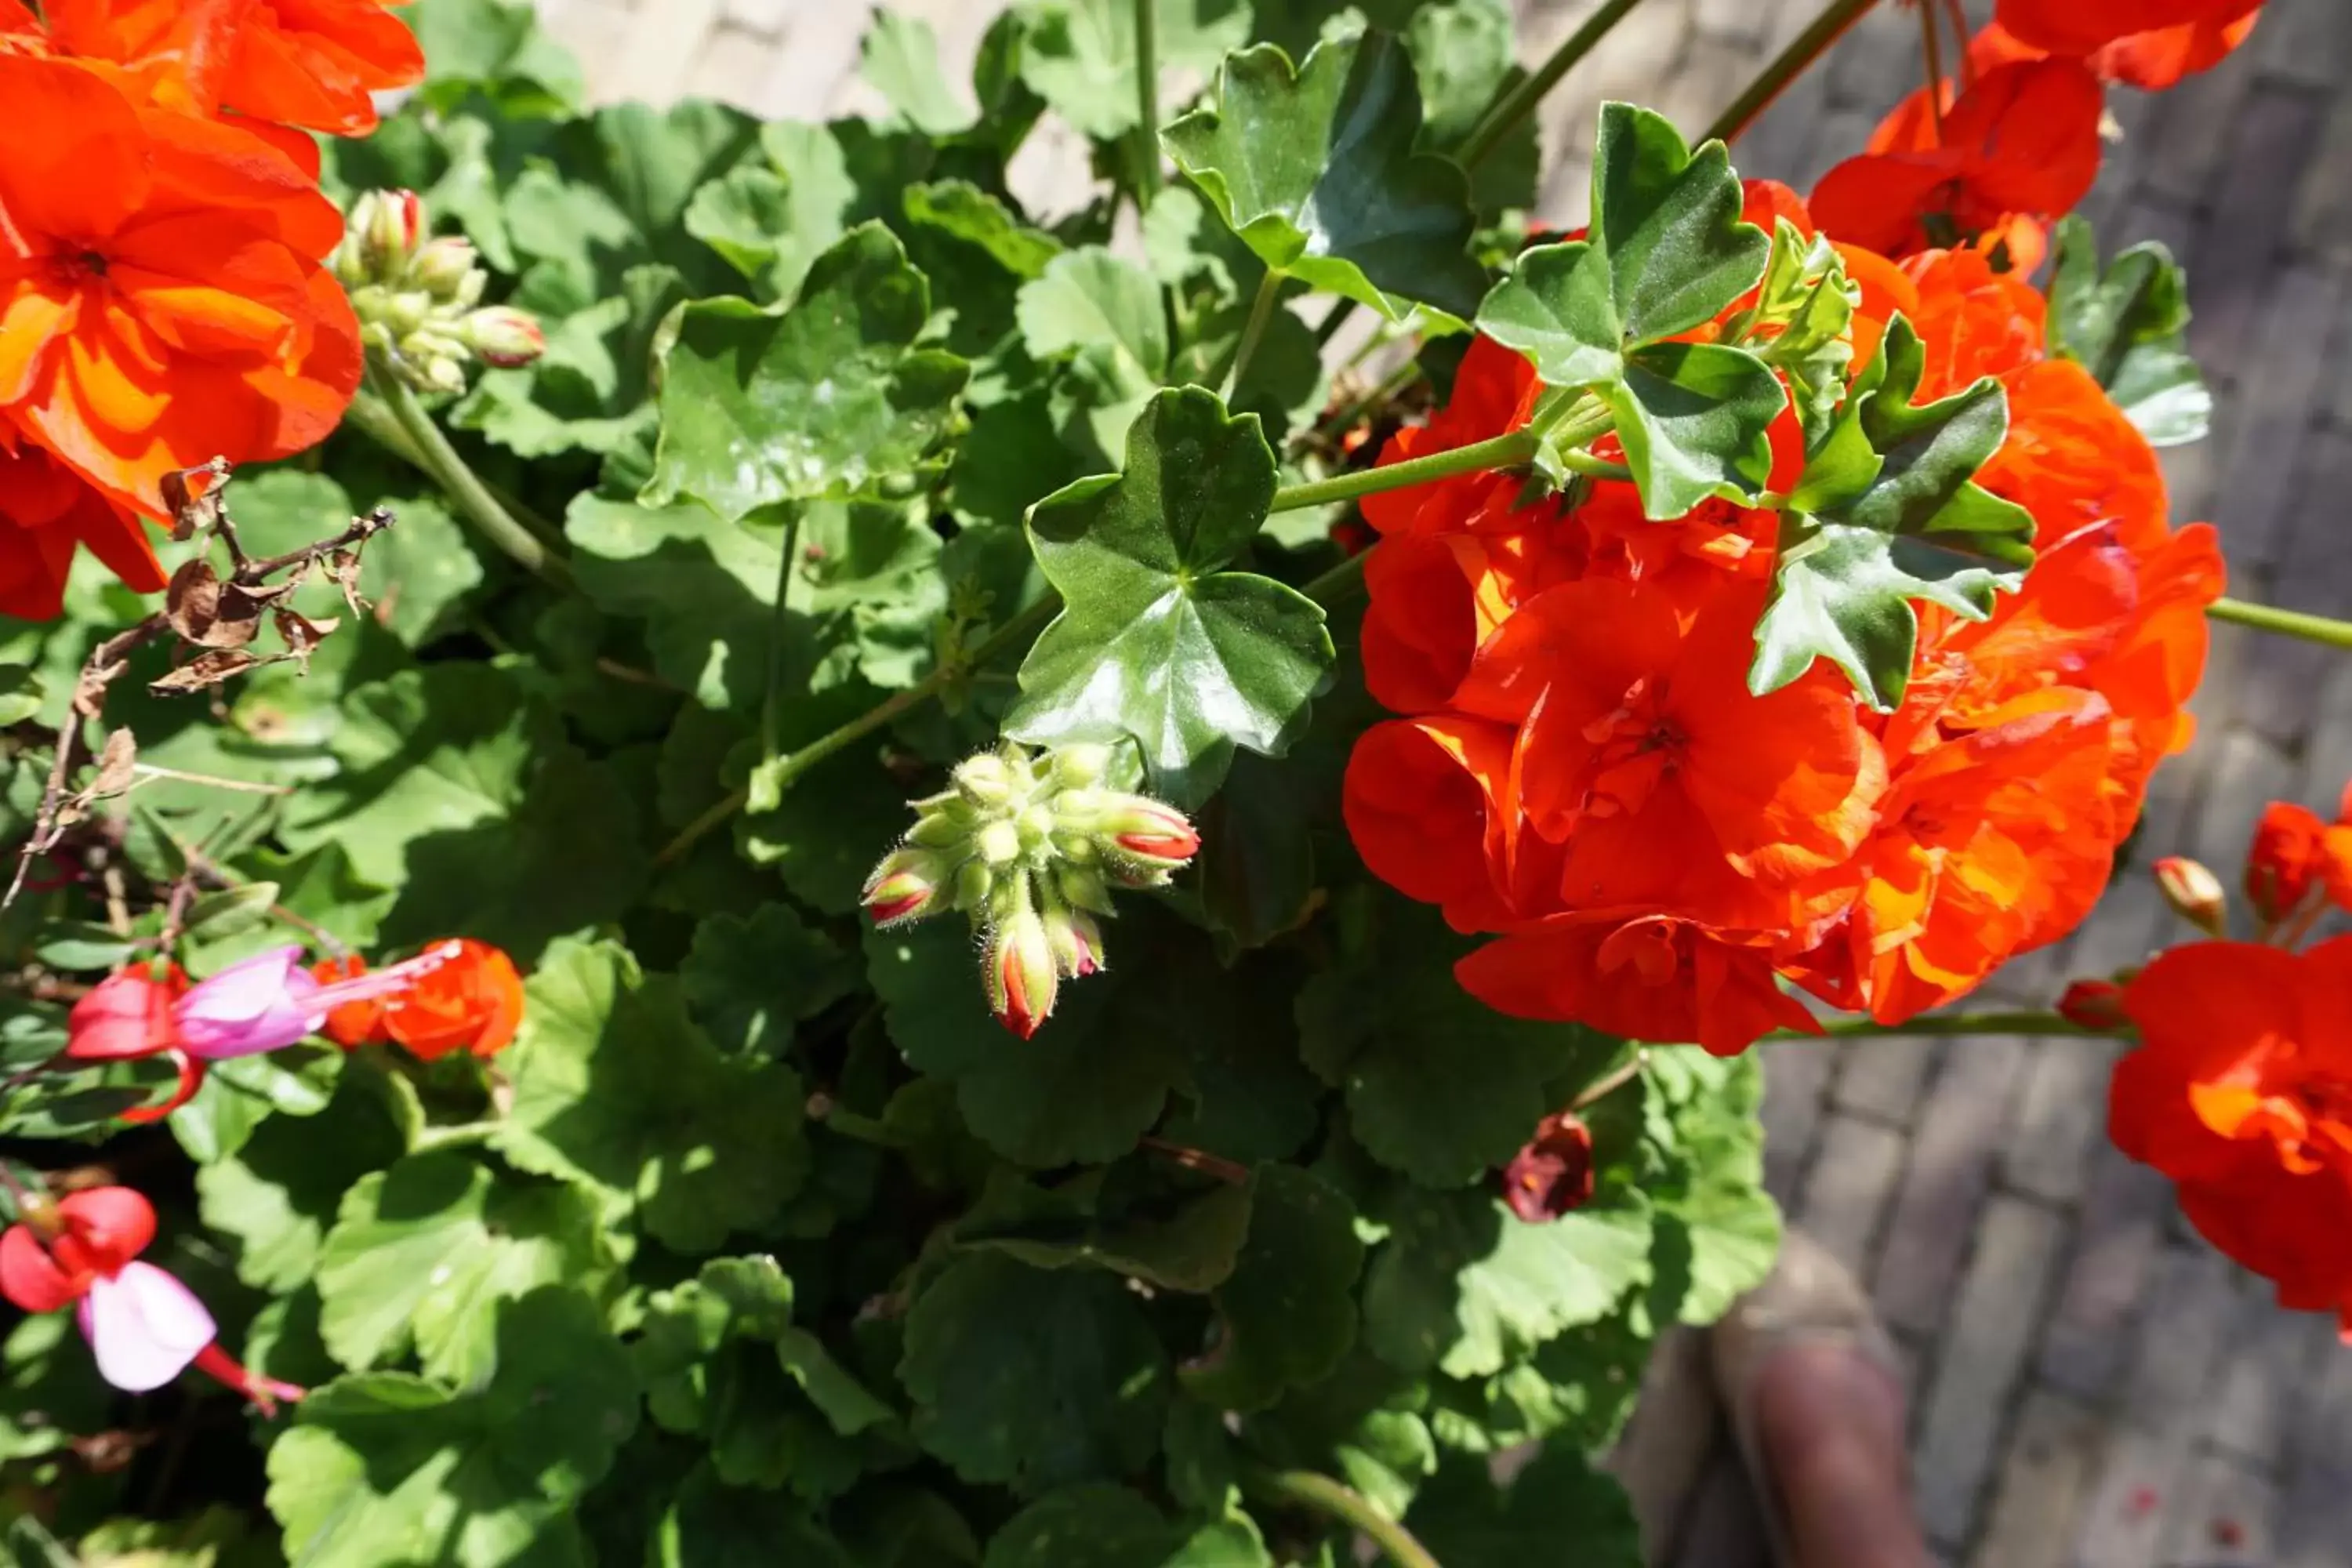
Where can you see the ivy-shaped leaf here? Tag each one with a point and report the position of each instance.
(616, 1088)
(821, 398)
(278, 1194)
(384, 1469)
(1889, 511)
(2129, 327)
(1034, 1378)
(1155, 640)
(1105, 313)
(420, 1251)
(1286, 1318)
(1192, 1246)
(1668, 251)
(1802, 321)
(1313, 167)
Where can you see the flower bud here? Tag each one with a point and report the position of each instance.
(390, 226)
(1149, 831)
(1552, 1176)
(2194, 893)
(1075, 940)
(504, 336)
(904, 887)
(2284, 861)
(1080, 766)
(1083, 886)
(442, 265)
(973, 881)
(1020, 973)
(2093, 1004)
(985, 780)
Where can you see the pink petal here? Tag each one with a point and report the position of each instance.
(144, 1326)
(259, 1004)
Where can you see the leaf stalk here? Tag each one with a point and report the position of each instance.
(442, 463)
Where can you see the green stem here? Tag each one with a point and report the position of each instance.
(1020, 629)
(2018, 1023)
(1261, 308)
(1321, 1494)
(772, 705)
(1502, 452)
(462, 485)
(1803, 51)
(2286, 623)
(453, 1137)
(368, 415)
(1147, 93)
(1520, 101)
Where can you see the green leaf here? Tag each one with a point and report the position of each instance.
(1467, 1520)
(616, 1088)
(389, 1470)
(1192, 1246)
(1465, 56)
(900, 60)
(1391, 1026)
(1080, 55)
(1315, 169)
(242, 1094)
(1287, 1316)
(1889, 511)
(708, 1523)
(761, 406)
(1711, 1194)
(277, 1197)
(2128, 327)
(1103, 1526)
(1030, 1378)
(1464, 1287)
(420, 1251)
(1106, 312)
(732, 1299)
(590, 390)
(1803, 316)
(20, 694)
(1154, 641)
(751, 978)
(1362, 1424)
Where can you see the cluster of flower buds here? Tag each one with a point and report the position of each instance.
(418, 298)
(1030, 848)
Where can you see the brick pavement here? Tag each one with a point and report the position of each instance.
(2092, 1387)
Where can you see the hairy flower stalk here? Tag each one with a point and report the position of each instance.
(419, 299)
(1029, 848)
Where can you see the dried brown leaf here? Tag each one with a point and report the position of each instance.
(118, 761)
(209, 668)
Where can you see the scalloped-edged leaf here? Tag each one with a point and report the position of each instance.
(1080, 56)
(616, 1089)
(1154, 640)
(2128, 326)
(384, 1469)
(1313, 167)
(820, 398)
(1888, 512)
(1287, 1317)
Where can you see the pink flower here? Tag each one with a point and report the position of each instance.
(271, 1000)
(144, 1326)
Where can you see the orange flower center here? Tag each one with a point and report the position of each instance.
(1637, 745)
(75, 265)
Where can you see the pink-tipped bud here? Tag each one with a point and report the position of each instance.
(2093, 1004)
(504, 336)
(1022, 976)
(1148, 830)
(442, 267)
(2194, 893)
(1077, 942)
(904, 887)
(390, 226)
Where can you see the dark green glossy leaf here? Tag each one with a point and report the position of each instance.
(2128, 327)
(750, 979)
(1314, 168)
(1287, 1316)
(616, 1088)
(761, 406)
(384, 1469)
(1154, 641)
(1034, 1378)
(1467, 1521)
(1889, 511)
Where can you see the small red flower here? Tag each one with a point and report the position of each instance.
(2093, 1004)
(471, 1002)
(1552, 1176)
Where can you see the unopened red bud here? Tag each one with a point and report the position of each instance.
(1077, 942)
(391, 225)
(2194, 893)
(1149, 830)
(504, 337)
(1022, 976)
(2093, 1004)
(1552, 1175)
(904, 887)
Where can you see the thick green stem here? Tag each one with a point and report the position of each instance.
(2285, 623)
(1503, 451)
(368, 415)
(1802, 51)
(462, 485)
(780, 640)
(1520, 101)
(1146, 95)
(1321, 1494)
(2018, 1023)
(1261, 308)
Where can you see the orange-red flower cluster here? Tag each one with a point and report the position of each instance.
(162, 297)
(471, 1001)
(2298, 865)
(2240, 1091)
(2019, 144)
(1583, 770)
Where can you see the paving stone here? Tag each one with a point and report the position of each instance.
(2316, 1514)
(2118, 1240)
(2306, 41)
(2151, 1447)
(733, 68)
(1936, 1208)
(1777, 145)
(2221, 1516)
(1705, 80)
(2233, 261)
(1993, 1320)
(2260, 491)
(1796, 1081)
(2266, 1361)
(2125, 926)
(2045, 1478)
(2062, 1117)
(652, 55)
(1876, 62)
(1745, 22)
(762, 16)
(1882, 1077)
(2322, 227)
(2184, 149)
(1847, 1192)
